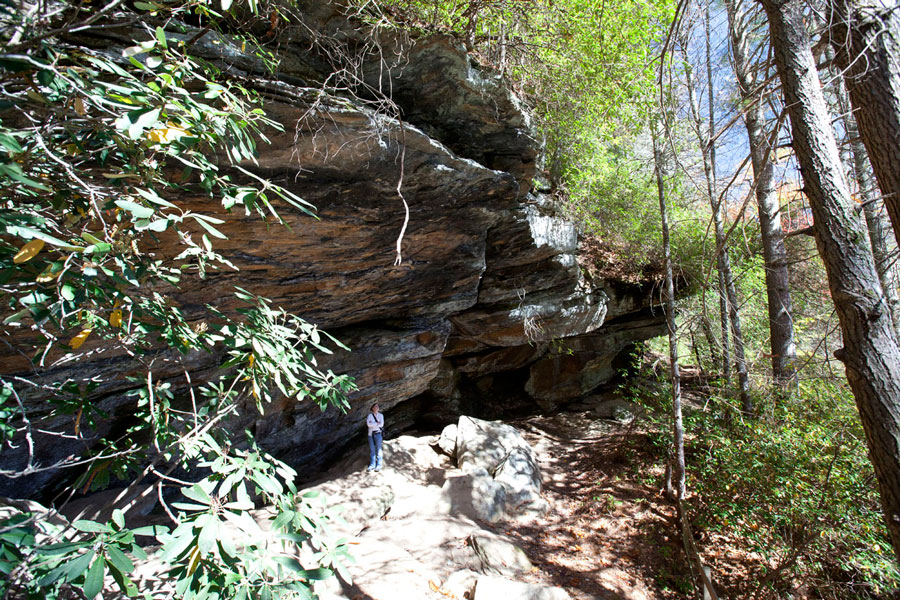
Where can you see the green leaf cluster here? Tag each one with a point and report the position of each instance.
(114, 163)
(793, 485)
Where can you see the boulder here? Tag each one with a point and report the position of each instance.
(616, 409)
(520, 474)
(485, 444)
(497, 449)
(495, 588)
(498, 556)
(363, 500)
(382, 570)
(447, 440)
(474, 494)
(460, 584)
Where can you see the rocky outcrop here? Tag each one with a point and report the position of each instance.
(423, 543)
(488, 312)
(488, 588)
(499, 473)
(498, 555)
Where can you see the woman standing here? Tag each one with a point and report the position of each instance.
(375, 423)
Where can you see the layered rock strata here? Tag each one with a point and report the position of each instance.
(488, 310)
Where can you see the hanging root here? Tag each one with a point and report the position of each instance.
(399, 258)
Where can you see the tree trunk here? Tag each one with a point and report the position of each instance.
(868, 195)
(728, 299)
(701, 572)
(723, 322)
(706, 326)
(778, 293)
(677, 423)
(865, 35)
(871, 354)
(722, 262)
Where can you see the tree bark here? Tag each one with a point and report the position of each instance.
(865, 35)
(778, 293)
(871, 354)
(677, 423)
(869, 196)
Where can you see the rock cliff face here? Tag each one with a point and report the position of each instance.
(488, 311)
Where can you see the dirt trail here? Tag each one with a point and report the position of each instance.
(609, 532)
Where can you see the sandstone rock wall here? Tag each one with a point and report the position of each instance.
(470, 321)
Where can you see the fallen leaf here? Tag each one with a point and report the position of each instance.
(28, 251)
(79, 339)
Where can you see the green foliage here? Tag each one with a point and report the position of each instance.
(795, 486)
(219, 549)
(99, 151)
(582, 63)
(99, 549)
(798, 484)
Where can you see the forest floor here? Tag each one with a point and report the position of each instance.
(610, 531)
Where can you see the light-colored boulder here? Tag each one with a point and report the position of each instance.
(437, 540)
(498, 556)
(474, 494)
(382, 570)
(362, 497)
(485, 443)
(489, 587)
(447, 441)
(616, 409)
(500, 450)
(460, 585)
(520, 475)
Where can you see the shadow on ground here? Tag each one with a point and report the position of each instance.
(609, 533)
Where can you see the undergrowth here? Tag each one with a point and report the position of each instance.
(791, 489)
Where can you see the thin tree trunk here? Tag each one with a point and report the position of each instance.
(865, 35)
(871, 353)
(677, 424)
(706, 326)
(722, 262)
(680, 488)
(723, 321)
(733, 310)
(778, 293)
(728, 299)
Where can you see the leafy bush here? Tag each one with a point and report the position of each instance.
(795, 486)
(798, 488)
(98, 151)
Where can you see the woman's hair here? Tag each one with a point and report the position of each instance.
(373, 406)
